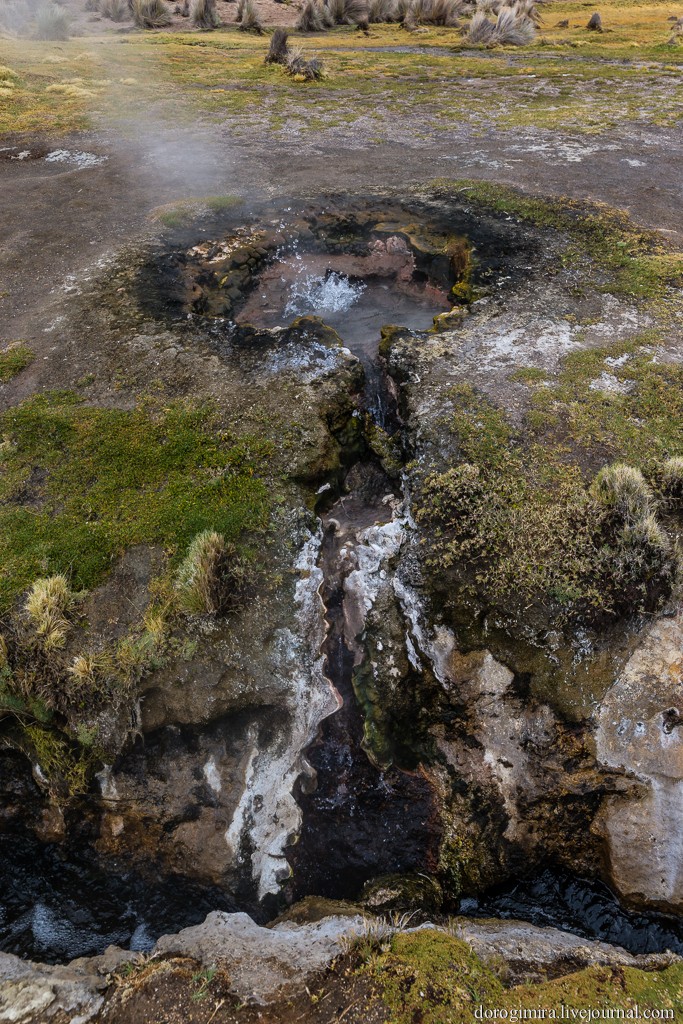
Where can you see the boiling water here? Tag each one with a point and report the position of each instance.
(355, 307)
(323, 296)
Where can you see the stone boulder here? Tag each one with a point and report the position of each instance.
(639, 736)
(261, 961)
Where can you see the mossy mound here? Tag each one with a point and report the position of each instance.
(434, 978)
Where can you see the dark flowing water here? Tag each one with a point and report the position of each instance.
(561, 900)
(56, 905)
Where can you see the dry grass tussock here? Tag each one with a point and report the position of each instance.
(51, 23)
(115, 10)
(514, 26)
(279, 50)
(375, 935)
(203, 14)
(248, 17)
(624, 490)
(303, 70)
(212, 577)
(446, 13)
(387, 12)
(347, 12)
(671, 481)
(315, 17)
(47, 606)
(676, 30)
(151, 13)
(293, 60)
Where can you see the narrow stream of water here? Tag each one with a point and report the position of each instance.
(360, 821)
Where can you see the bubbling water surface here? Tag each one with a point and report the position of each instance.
(322, 295)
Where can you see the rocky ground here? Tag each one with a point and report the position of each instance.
(444, 652)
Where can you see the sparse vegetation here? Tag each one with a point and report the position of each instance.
(631, 262)
(14, 359)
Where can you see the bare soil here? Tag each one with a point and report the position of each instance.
(173, 993)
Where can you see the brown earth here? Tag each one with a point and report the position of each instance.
(172, 992)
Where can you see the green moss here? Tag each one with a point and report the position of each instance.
(14, 359)
(64, 765)
(515, 512)
(81, 483)
(529, 375)
(435, 978)
(431, 977)
(636, 263)
(460, 860)
(385, 447)
(598, 987)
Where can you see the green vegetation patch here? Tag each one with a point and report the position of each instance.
(621, 401)
(431, 977)
(435, 978)
(187, 211)
(517, 511)
(598, 987)
(14, 359)
(79, 484)
(635, 263)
